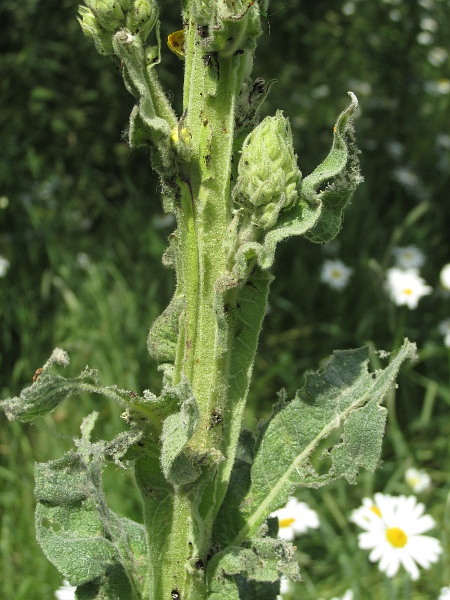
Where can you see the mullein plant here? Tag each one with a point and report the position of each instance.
(208, 486)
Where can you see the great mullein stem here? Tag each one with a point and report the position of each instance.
(211, 88)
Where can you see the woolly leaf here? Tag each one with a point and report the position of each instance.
(178, 428)
(77, 531)
(344, 393)
(265, 561)
(341, 170)
(49, 390)
(163, 336)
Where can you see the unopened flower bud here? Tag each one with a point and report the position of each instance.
(109, 13)
(91, 28)
(142, 17)
(268, 174)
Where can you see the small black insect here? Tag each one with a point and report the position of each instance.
(175, 595)
(215, 419)
(199, 565)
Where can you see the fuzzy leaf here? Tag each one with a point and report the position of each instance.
(157, 495)
(163, 336)
(77, 531)
(178, 428)
(50, 389)
(230, 518)
(112, 586)
(341, 170)
(144, 122)
(265, 561)
(344, 393)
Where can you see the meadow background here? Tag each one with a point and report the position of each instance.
(82, 227)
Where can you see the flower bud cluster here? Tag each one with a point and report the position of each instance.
(268, 174)
(100, 19)
(233, 25)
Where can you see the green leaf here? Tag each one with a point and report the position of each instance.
(113, 586)
(178, 467)
(50, 389)
(77, 531)
(245, 309)
(266, 561)
(341, 169)
(262, 590)
(230, 519)
(344, 393)
(163, 336)
(157, 495)
(145, 121)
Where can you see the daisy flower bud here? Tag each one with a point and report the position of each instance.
(268, 172)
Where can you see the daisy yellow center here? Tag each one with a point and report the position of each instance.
(286, 522)
(376, 510)
(336, 274)
(396, 537)
(407, 291)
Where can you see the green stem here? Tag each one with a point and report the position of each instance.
(203, 352)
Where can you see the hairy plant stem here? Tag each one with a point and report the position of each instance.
(212, 84)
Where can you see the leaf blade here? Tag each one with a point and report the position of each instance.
(327, 400)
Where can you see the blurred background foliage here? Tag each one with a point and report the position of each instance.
(82, 227)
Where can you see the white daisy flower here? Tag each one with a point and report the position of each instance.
(65, 592)
(425, 38)
(368, 514)
(428, 24)
(396, 538)
(406, 287)
(444, 277)
(444, 329)
(348, 595)
(335, 274)
(437, 56)
(295, 518)
(445, 593)
(284, 588)
(4, 266)
(408, 257)
(418, 480)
